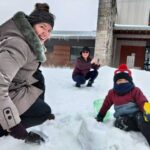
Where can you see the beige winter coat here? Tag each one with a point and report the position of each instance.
(20, 54)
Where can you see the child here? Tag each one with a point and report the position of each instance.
(129, 103)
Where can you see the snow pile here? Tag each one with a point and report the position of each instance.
(75, 127)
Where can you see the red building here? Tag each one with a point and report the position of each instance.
(131, 40)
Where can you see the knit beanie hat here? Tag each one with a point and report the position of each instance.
(85, 48)
(41, 14)
(123, 73)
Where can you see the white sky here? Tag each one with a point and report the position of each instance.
(79, 15)
(75, 127)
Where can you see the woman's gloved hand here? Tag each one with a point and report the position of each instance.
(34, 138)
(20, 132)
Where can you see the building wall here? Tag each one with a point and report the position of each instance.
(133, 12)
(59, 50)
(137, 51)
(109, 48)
(127, 44)
(60, 55)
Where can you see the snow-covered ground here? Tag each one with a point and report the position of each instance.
(75, 127)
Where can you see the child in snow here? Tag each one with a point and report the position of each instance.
(82, 70)
(130, 105)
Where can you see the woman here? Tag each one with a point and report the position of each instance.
(21, 83)
(82, 70)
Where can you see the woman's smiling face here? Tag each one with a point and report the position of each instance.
(43, 31)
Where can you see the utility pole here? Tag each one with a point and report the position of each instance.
(107, 11)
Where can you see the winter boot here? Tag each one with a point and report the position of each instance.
(78, 85)
(51, 117)
(126, 123)
(89, 84)
(3, 132)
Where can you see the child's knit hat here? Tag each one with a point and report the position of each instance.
(122, 73)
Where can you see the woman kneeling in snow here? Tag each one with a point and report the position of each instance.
(82, 70)
(22, 86)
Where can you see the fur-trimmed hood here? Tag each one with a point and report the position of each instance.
(26, 29)
(20, 54)
(23, 29)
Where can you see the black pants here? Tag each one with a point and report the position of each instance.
(135, 123)
(91, 75)
(39, 111)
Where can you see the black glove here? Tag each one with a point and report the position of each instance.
(51, 117)
(19, 132)
(34, 138)
(99, 117)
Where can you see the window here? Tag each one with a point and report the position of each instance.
(147, 59)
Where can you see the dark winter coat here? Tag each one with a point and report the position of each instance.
(82, 66)
(20, 54)
(124, 104)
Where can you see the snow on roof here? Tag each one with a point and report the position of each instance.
(73, 34)
(131, 27)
